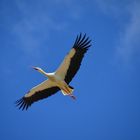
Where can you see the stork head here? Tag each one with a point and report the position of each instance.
(40, 70)
(37, 68)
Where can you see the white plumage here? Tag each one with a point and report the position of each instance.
(60, 79)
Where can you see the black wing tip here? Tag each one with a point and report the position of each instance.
(22, 104)
(82, 42)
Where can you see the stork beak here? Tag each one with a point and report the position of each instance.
(35, 68)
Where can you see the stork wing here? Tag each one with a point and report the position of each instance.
(43, 90)
(72, 61)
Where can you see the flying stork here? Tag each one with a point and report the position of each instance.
(60, 79)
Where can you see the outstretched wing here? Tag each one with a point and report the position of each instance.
(43, 90)
(72, 61)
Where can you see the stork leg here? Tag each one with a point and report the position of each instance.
(70, 90)
(64, 91)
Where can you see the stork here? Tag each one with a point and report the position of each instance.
(60, 79)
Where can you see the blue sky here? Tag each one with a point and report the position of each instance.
(40, 33)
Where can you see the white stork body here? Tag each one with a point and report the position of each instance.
(55, 79)
(60, 79)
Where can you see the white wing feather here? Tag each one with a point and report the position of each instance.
(62, 70)
(44, 85)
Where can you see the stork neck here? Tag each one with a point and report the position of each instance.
(43, 72)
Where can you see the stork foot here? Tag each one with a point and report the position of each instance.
(72, 96)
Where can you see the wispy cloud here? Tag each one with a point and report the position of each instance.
(112, 7)
(127, 14)
(38, 20)
(129, 45)
(34, 27)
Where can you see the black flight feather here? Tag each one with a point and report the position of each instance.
(25, 102)
(81, 46)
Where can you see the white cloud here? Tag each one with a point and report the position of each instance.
(111, 7)
(127, 15)
(39, 20)
(33, 28)
(129, 44)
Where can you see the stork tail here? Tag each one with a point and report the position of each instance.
(68, 90)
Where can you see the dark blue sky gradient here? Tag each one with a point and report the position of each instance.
(40, 33)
